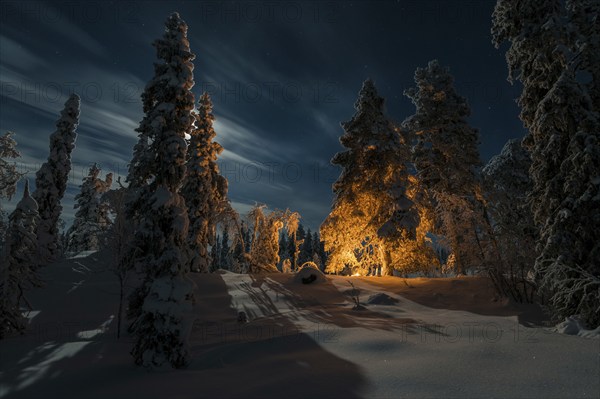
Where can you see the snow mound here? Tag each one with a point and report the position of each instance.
(309, 264)
(573, 326)
(309, 275)
(381, 299)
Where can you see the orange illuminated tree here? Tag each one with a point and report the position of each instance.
(446, 159)
(372, 213)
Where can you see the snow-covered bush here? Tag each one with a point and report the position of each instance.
(286, 266)
(309, 275)
(382, 299)
(264, 250)
(574, 291)
(573, 325)
(309, 264)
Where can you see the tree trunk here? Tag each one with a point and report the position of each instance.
(295, 254)
(386, 257)
(459, 265)
(119, 314)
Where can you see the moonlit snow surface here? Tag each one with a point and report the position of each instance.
(430, 338)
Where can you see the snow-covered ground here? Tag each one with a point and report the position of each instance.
(416, 338)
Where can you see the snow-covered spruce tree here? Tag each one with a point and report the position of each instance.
(446, 157)
(371, 210)
(315, 242)
(553, 48)
(568, 266)
(320, 249)
(204, 190)
(91, 219)
(506, 185)
(239, 258)
(306, 248)
(51, 179)
(584, 36)
(165, 297)
(535, 30)
(18, 264)
(8, 172)
(141, 173)
(8, 176)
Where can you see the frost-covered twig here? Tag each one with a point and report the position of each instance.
(355, 295)
(574, 291)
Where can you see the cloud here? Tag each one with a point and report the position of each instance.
(242, 208)
(265, 158)
(17, 56)
(61, 24)
(227, 63)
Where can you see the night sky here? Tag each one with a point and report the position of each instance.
(282, 75)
